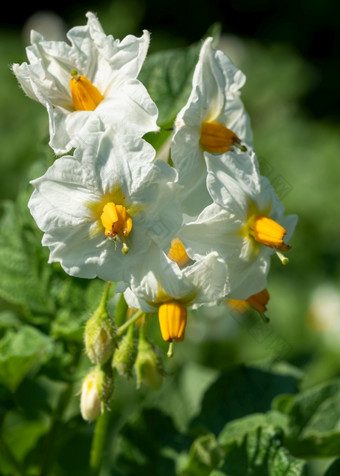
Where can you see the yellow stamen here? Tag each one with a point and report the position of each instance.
(269, 233)
(116, 221)
(177, 253)
(217, 138)
(85, 95)
(239, 305)
(257, 301)
(172, 321)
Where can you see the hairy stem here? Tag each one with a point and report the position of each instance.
(130, 321)
(98, 443)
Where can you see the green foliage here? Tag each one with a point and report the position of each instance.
(167, 76)
(19, 351)
(313, 421)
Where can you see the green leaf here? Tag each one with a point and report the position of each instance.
(148, 443)
(167, 76)
(205, 456)
(236, 430)
(22, 280)
(19, 351)
(241, 391)
(9, 319)
(314, 421)
(261, 453)
(334, 469)
(76, 300)
(188, 386)
(258, 452)
(22, 436)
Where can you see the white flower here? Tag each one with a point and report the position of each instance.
(161, 280)
(96, 66)
(163, 286)
(213, 120)
(245, 224)
(102, 209)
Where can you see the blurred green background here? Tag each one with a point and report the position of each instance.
(290, 57)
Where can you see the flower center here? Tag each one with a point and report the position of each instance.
(268, 232)
(172, 321)
(85, 95)
(217, 138)
(177, 253)
(116, 220)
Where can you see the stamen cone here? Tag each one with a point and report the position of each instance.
(269, 233)
(177, 253)
(217, 138)
(116, 220)
(259, 301)
(172, 321)
(85, 95)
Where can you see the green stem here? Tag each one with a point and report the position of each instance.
(130, 321)
(103, 301)
(98, 443)
(121, 310)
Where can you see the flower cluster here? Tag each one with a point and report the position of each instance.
(197, 230)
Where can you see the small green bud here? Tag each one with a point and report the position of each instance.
(125, 354)
(148, 365)
(96, 390)
(100, 337)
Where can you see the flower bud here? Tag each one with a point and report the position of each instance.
(96, 390)
(100, 337)
(125, 354)
(148, 365)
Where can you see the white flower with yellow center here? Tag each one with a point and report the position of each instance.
(213, 120)
(170, 286)
(245, 224)
(88, 84)
(103, 208)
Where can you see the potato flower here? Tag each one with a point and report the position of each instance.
(245, 225)
(89, 84)
(103, 208)
(213, 120)
(164, 285)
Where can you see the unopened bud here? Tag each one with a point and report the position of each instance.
(125, 354)
(148, 365)
(96, 390)
(100, 337)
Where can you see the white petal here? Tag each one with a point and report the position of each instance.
(126, 56)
